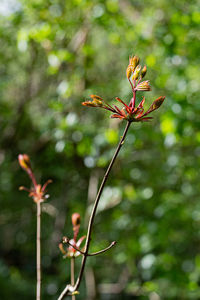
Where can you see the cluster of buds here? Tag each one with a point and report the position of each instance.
(73, 249)
(129, 111)
(135, 69)
(37, 192)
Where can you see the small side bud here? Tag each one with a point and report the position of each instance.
(136, 72)
(128, 71)
(24, 161)
(144, 71)
(21, 188)
(76, 219)
(75, 293)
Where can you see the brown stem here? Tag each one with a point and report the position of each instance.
(103, 250)
(38, 246)
(69, 288)
(73, 275)
(66, 241)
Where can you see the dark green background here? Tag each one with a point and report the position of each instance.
(53, 55)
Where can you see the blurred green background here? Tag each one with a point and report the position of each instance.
(53, 55)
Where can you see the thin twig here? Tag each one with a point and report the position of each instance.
(38, 246)
(66, 241)
(104, 250)
(131, 85)
(69, 288)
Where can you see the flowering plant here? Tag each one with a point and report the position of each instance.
(37, 192)
(74, 245)
(130, 112)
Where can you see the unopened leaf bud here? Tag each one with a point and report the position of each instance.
(24, 161)
(136, 72)
(158, 102)
(144, 71)
(76, 219)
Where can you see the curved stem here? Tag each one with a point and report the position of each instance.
(103, 250)
(69, 288)
(38, 251)
(66, 240)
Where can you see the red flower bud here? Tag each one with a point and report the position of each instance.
(76, 219)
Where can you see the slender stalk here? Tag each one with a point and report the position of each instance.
(73, 275)
(134, 94)
(66, 240)
(38, 251)
(69, 288)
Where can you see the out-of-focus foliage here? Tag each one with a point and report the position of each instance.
(53, 55)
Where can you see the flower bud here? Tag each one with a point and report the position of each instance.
(134, 61)
(128, 71)
(143, 86)
(144, 71)
(76, 219)
(24, 161)
(136, 72)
